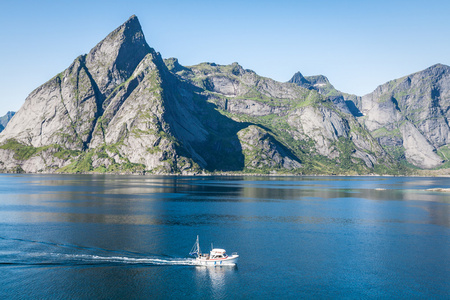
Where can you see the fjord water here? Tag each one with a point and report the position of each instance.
(113, 237)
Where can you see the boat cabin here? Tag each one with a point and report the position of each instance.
(217, 254)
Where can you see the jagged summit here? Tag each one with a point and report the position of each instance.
(309, 81)
(317, 80)
(440, 66)
(114, 59)
(319, 83)
(133, 18)
(299, 79)
(65, 110)
(173, 65)
(436, 70)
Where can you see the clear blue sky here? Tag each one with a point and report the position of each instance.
(358, 45)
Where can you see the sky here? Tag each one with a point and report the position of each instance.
(358, 45)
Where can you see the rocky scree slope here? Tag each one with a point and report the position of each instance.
(123, 109)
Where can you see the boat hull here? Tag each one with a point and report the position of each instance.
(229, 261)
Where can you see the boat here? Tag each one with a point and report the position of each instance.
(216, 257)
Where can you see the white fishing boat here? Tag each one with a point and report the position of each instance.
(216, 257)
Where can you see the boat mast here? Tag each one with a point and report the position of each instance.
(195, 251)
(198, 247)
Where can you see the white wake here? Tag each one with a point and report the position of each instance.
(84, 258)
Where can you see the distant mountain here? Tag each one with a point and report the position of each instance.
(5, 119)
(322, 85)
(121, 108)
(319, 83)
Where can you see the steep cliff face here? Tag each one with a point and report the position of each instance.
(316, 130)
(410, 115)
(64, 110)
(61, 111)
(262, 151)
(112, 61)
(121, 108)
(103, 113)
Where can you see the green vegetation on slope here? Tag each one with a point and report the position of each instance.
(22, 152)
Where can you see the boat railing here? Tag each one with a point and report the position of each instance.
(234, 253)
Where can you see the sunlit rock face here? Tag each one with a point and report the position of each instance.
(121, 108)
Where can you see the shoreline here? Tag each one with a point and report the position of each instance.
(233, 174)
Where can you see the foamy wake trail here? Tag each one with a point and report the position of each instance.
(84, 258)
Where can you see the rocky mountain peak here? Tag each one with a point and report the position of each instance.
(173, 65)
(440, 66)
(310, 82)
(318, 80)
(113, 60)
(299, 79)
(436, 70)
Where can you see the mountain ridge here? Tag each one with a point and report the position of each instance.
(121, 108)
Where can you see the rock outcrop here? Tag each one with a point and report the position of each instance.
(262, 151)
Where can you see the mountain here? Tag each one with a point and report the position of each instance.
(5, 119)
(321, 137)
(322, 85)
(121, 108)
(319, 83)
(410, 116)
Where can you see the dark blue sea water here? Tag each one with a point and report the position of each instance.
(127, 237)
